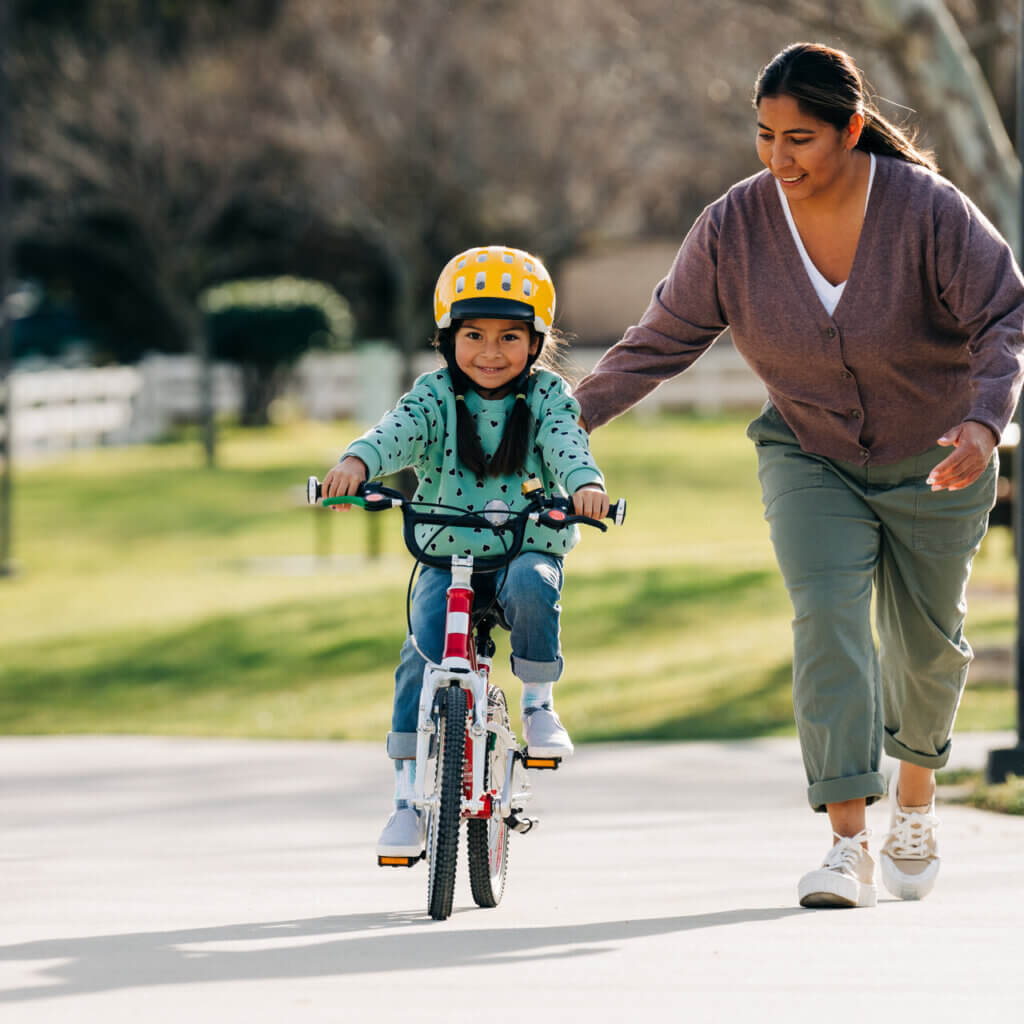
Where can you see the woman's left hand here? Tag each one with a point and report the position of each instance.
(974, 443)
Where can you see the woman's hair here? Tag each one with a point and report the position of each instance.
(828, 85)
(510, 456)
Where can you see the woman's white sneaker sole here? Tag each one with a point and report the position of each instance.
(826, 888)
(908, 887)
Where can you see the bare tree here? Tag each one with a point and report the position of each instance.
(414, 130)
(134, 168)
(435, 126)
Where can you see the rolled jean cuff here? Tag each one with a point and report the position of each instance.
(869, 786)
(537, 671)
(894, 748)
(401, 745)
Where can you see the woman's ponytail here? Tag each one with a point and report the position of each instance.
(884, 138)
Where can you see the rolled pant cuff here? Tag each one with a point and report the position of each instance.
(537, 671)
(894, 748)
(401, 745)
(869, 786)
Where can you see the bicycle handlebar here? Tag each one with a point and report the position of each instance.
(553, 512)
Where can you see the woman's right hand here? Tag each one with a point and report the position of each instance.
(343, 480)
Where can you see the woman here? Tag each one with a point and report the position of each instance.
(884, 314)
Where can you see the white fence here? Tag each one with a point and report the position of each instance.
(58, 410)
(365, 385)
(54, 410)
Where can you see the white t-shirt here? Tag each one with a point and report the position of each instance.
(829, 294)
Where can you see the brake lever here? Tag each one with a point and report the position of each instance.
(556, 519)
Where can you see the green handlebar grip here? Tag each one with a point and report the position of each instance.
(348, 499)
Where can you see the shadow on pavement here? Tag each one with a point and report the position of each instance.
(397, 941)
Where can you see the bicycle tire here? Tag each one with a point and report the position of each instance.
(443, 830)
(487, 838)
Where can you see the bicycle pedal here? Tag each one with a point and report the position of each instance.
(398, 862)
(543, 763)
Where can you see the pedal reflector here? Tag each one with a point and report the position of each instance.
(541, 762)
(396, 862)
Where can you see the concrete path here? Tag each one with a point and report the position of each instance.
(163, 880)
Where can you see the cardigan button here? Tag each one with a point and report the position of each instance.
(855, 413)
(846, 375)
(831, 332)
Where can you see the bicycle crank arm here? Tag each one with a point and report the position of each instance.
(521, 825)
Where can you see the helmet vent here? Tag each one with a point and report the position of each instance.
(506, 282)
(460, 285)
(482, 258)
(481, 280)
(529, 267)
(460, 264)
(527, 288)
(508, 257)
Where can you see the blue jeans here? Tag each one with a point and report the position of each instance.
(529, 603)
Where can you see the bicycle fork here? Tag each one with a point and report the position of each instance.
(458, 665)
(470, 669)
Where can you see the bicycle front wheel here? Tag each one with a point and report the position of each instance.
(443, 828)
(487, 838)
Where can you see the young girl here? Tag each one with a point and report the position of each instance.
(473, 432)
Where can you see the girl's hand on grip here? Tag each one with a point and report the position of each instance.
(343, 480)
(590, 500)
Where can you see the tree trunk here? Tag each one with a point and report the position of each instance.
(955, 104)
(260, 386)
(189, 314)
(6, 331)
(985, 41)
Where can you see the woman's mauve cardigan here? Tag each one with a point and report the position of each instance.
(928, 331)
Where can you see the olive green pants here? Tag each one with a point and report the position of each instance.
(842, 532)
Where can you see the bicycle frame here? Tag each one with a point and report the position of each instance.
(460, 685)
(464, 666)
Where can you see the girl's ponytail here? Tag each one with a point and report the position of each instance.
(467, 440)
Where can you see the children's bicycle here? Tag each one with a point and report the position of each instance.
(469, 765)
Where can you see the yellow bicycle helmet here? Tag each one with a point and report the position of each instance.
(495, 281)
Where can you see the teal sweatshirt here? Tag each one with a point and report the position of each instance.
(420, 433)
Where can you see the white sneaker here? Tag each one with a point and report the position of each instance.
(404, 834)
(846, 877)
(544, 734)
(910, 855)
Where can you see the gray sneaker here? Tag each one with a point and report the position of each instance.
(404, 834)
(545, 735)
(846, 877)
(910, 855)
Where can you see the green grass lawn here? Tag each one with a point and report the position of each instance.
(971, 788)
(156, 596)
